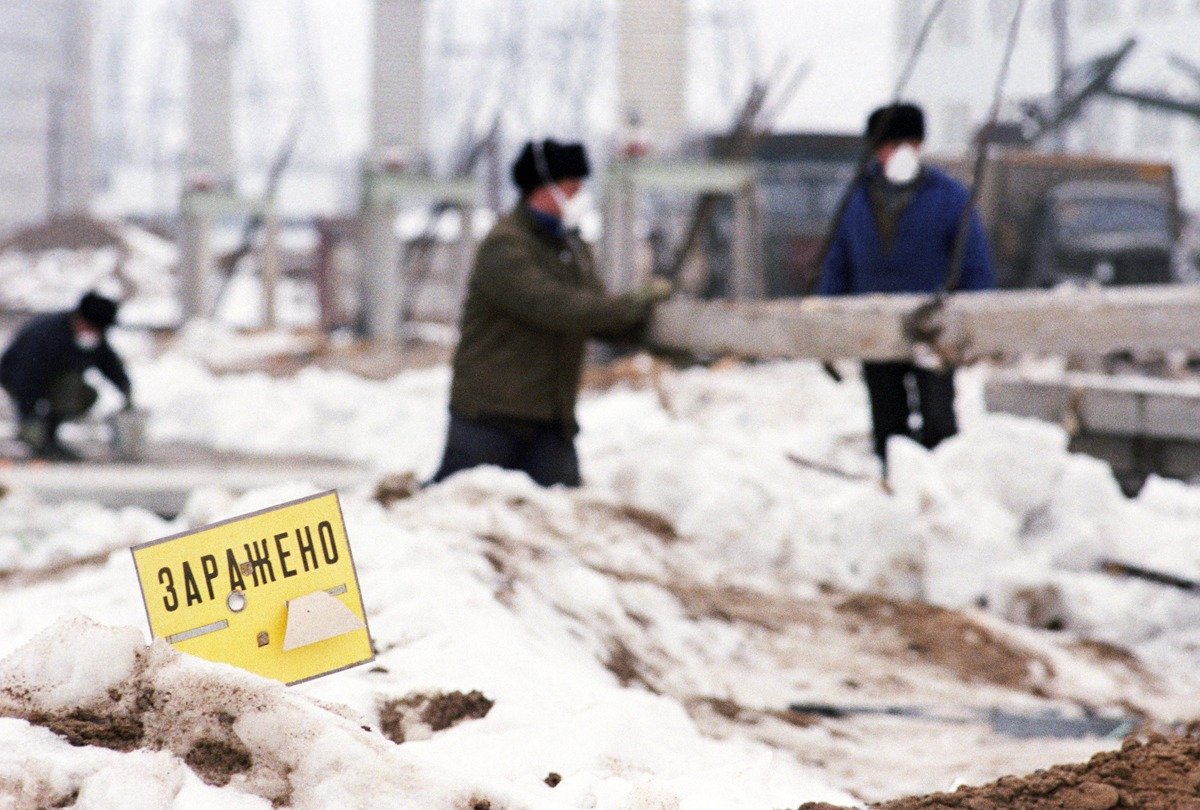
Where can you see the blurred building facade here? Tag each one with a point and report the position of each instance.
(957, 72)
(46, 132)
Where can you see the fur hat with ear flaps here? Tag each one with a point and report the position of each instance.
(97, 310)
(898, 122)
(557, 161)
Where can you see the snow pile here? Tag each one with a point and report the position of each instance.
(637, 638)
(522, 619)
(102, 687)
(39, 537)
(397, 424)
(140, 272)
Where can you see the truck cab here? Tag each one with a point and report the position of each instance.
(1103, 232)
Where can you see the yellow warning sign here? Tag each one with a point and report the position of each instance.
(274, 592)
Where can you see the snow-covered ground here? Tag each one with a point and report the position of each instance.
(733, 551)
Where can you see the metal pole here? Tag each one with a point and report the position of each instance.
(1062, 62)
(270, 268)
(195, 260)
(379, 269)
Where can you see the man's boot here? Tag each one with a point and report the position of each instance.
(34, 433)
(40, 435)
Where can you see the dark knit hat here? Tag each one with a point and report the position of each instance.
(897, 122)
(97, 310)
(549, 162)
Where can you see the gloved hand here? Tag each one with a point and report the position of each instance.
(653, 291)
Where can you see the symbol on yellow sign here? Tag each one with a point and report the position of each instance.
(274, 592)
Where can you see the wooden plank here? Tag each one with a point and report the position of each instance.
(1079, 322)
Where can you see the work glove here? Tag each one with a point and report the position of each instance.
(655, 290)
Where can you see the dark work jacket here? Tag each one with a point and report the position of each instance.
(532, 302)
(45, 348)
(919, 258)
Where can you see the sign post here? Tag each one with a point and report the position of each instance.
(274, 592)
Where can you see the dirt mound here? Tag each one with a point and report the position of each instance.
(418, 715)
(396, 487)
(80, 727)
(76, 232)
(644, 519)
(950, 640)
(142, 718)
(1158, 773)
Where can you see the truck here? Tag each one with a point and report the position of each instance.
(1055, 219)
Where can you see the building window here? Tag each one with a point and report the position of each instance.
(1156, 9)
(1100, 12)
(956, 22)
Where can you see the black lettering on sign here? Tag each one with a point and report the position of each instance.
(283, 555)
(308, 549)
(259, 554)
(236, 583)
(166, 578)
(208, 564)
(329, 549)
(190, 588)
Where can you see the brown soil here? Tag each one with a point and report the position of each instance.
(1158, 773)
(438, 711)
(731, 710)
(950, 640)
(644, 519)
(216, 761)
(395, 488)
(86, 728)
(122, 726)
(626, 666)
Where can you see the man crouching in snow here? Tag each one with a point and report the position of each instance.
(42, 371)
(532, 302)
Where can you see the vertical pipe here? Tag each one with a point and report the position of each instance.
(212, 35)
(195, 263)
(270, 268)
(73, 107)
(1062, 61)
(398, 77)
(652, 68)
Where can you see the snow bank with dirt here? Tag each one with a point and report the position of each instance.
(579, 614)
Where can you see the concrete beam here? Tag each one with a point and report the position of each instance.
(1002, 323)
(1137, 425)
(1123, 405)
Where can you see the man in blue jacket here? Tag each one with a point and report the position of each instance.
(42, 371)
(897, 235)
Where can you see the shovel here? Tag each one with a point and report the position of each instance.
(1011, 724)
(1150, 575)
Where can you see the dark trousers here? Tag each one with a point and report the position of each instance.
(544, 451)
(897, 391)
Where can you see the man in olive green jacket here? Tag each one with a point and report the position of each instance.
(532, 302)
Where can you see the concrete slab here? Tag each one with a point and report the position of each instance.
(164, 482)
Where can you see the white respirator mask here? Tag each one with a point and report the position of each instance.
(88, 341)
(903, 165)
(576, 210)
